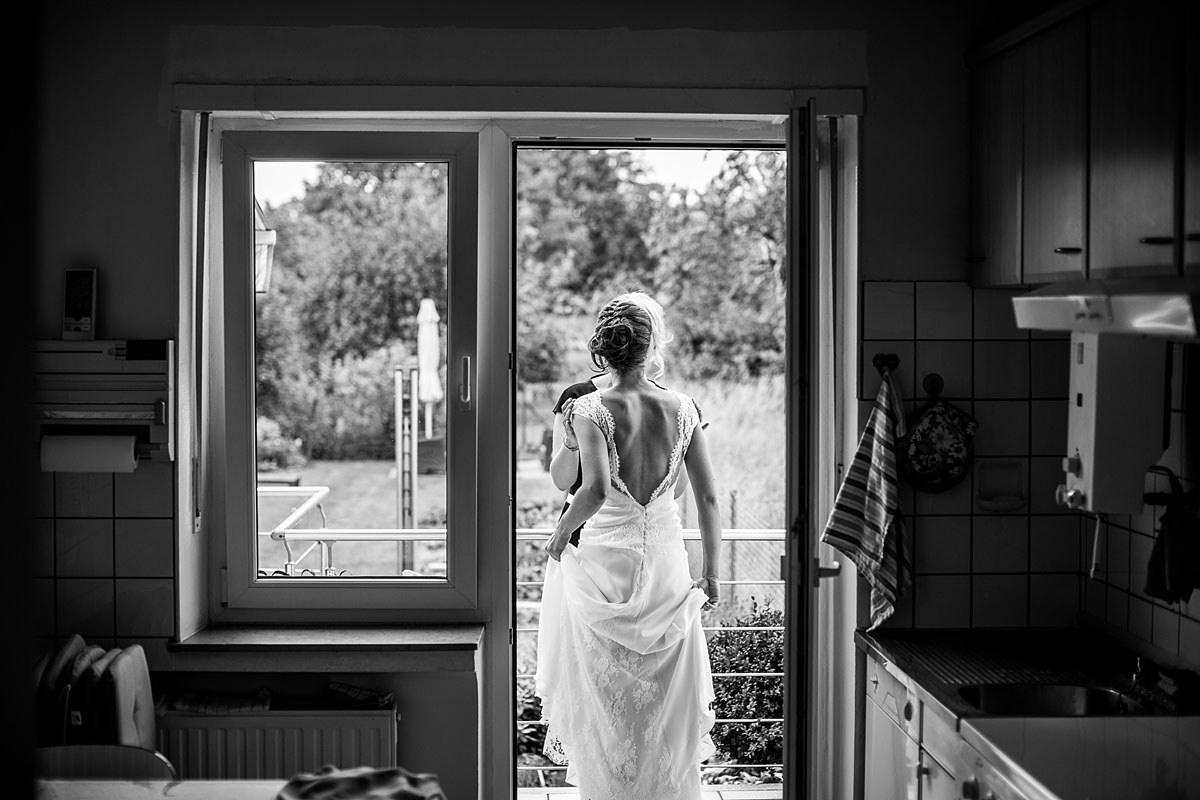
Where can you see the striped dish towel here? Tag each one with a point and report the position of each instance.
(866, 523)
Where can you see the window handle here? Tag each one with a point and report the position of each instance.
(464, 386)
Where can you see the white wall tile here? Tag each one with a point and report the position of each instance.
(1003, 427)
(1000, 543)
(942, 601)
(999, 601)
(943, 544)
(145, 607)
(145, 548)
(1054, 544)
(950, 360)
(42, 531)
(1049, 367)
(1001, 370)
(1053, 600)
(1166, 629)
(887, 310)
(943, 310)
(1141, 618)
(84, 548)
(85, 606)
(1189, 641)
(83, 494)
(994, 317)
(1048, 427)
(148, 491)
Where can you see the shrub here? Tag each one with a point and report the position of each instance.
(757, 698)
(274, 450)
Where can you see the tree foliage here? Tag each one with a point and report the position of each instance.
(367, 241)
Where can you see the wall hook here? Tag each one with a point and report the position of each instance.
(885, 361)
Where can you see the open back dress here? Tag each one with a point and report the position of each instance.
(623, 671)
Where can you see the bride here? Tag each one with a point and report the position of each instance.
(623, 671)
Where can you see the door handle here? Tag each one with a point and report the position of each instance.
(464, 387)
(832, 571)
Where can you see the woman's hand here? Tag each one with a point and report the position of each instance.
(711, 587)
(570, 441)
(557, 542)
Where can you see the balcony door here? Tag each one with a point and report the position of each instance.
(725, 232)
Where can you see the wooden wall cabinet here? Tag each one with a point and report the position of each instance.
(995, 172)
(1054, 211)
(1029, 160)
(1191, 148)
(1086, 147)
(1136, 101)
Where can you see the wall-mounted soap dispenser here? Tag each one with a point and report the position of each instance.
(1115, 422)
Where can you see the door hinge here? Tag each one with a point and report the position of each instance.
(512, 361)
(224, 586)
(512, 639)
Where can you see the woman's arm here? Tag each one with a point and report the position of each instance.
(564, 466)
(708, 513)
(593, 461)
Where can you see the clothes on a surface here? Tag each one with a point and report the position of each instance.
(362, 783)
(623, 667)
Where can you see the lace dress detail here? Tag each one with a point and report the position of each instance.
(623, 669)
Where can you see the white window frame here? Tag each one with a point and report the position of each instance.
(228, 346)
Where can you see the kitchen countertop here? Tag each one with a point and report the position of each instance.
(1053, 758)
(1093, 758)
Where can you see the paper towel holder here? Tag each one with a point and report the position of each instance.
(107, 388)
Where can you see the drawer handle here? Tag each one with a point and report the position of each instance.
(1069, 251)
(1192, 237)
(1157, 240)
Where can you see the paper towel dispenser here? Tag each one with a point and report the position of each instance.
(102, 406)
(1115, 422)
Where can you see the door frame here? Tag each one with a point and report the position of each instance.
(517, 111)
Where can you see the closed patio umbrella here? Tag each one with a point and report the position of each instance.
(429, 356)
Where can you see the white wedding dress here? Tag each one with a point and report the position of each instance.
(623, 670)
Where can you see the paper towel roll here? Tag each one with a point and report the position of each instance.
(89, 453)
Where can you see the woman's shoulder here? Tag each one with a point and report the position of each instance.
(573, 392)
(686, 401)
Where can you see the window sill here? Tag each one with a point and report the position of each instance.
(390, 648)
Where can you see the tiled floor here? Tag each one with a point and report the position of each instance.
(767, 792)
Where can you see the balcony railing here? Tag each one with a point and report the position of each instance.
(323, 539)
(734, 537)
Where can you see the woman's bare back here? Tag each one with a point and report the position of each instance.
(646, 425)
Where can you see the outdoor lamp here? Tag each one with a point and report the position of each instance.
(264, 254)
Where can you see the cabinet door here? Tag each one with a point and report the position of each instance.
(1054, 171)
(995, 172)
(1191, 149)
(1135, 105)
(890, 758)
(937, 782)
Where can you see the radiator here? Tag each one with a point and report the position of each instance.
(275, 744)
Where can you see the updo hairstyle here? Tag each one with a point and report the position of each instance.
(622, 337)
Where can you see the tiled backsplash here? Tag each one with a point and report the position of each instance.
(104, 555)
(977, 567)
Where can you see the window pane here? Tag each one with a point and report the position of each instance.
(350, 368)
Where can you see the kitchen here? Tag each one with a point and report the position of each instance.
(917, 297)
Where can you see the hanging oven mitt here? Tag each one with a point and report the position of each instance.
(936, 453)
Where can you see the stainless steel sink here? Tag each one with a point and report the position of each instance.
(1050, 700)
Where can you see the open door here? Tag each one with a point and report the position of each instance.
(819, 647)
(802, 400)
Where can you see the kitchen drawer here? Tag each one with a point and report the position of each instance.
(891, 692)
(939, 732)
